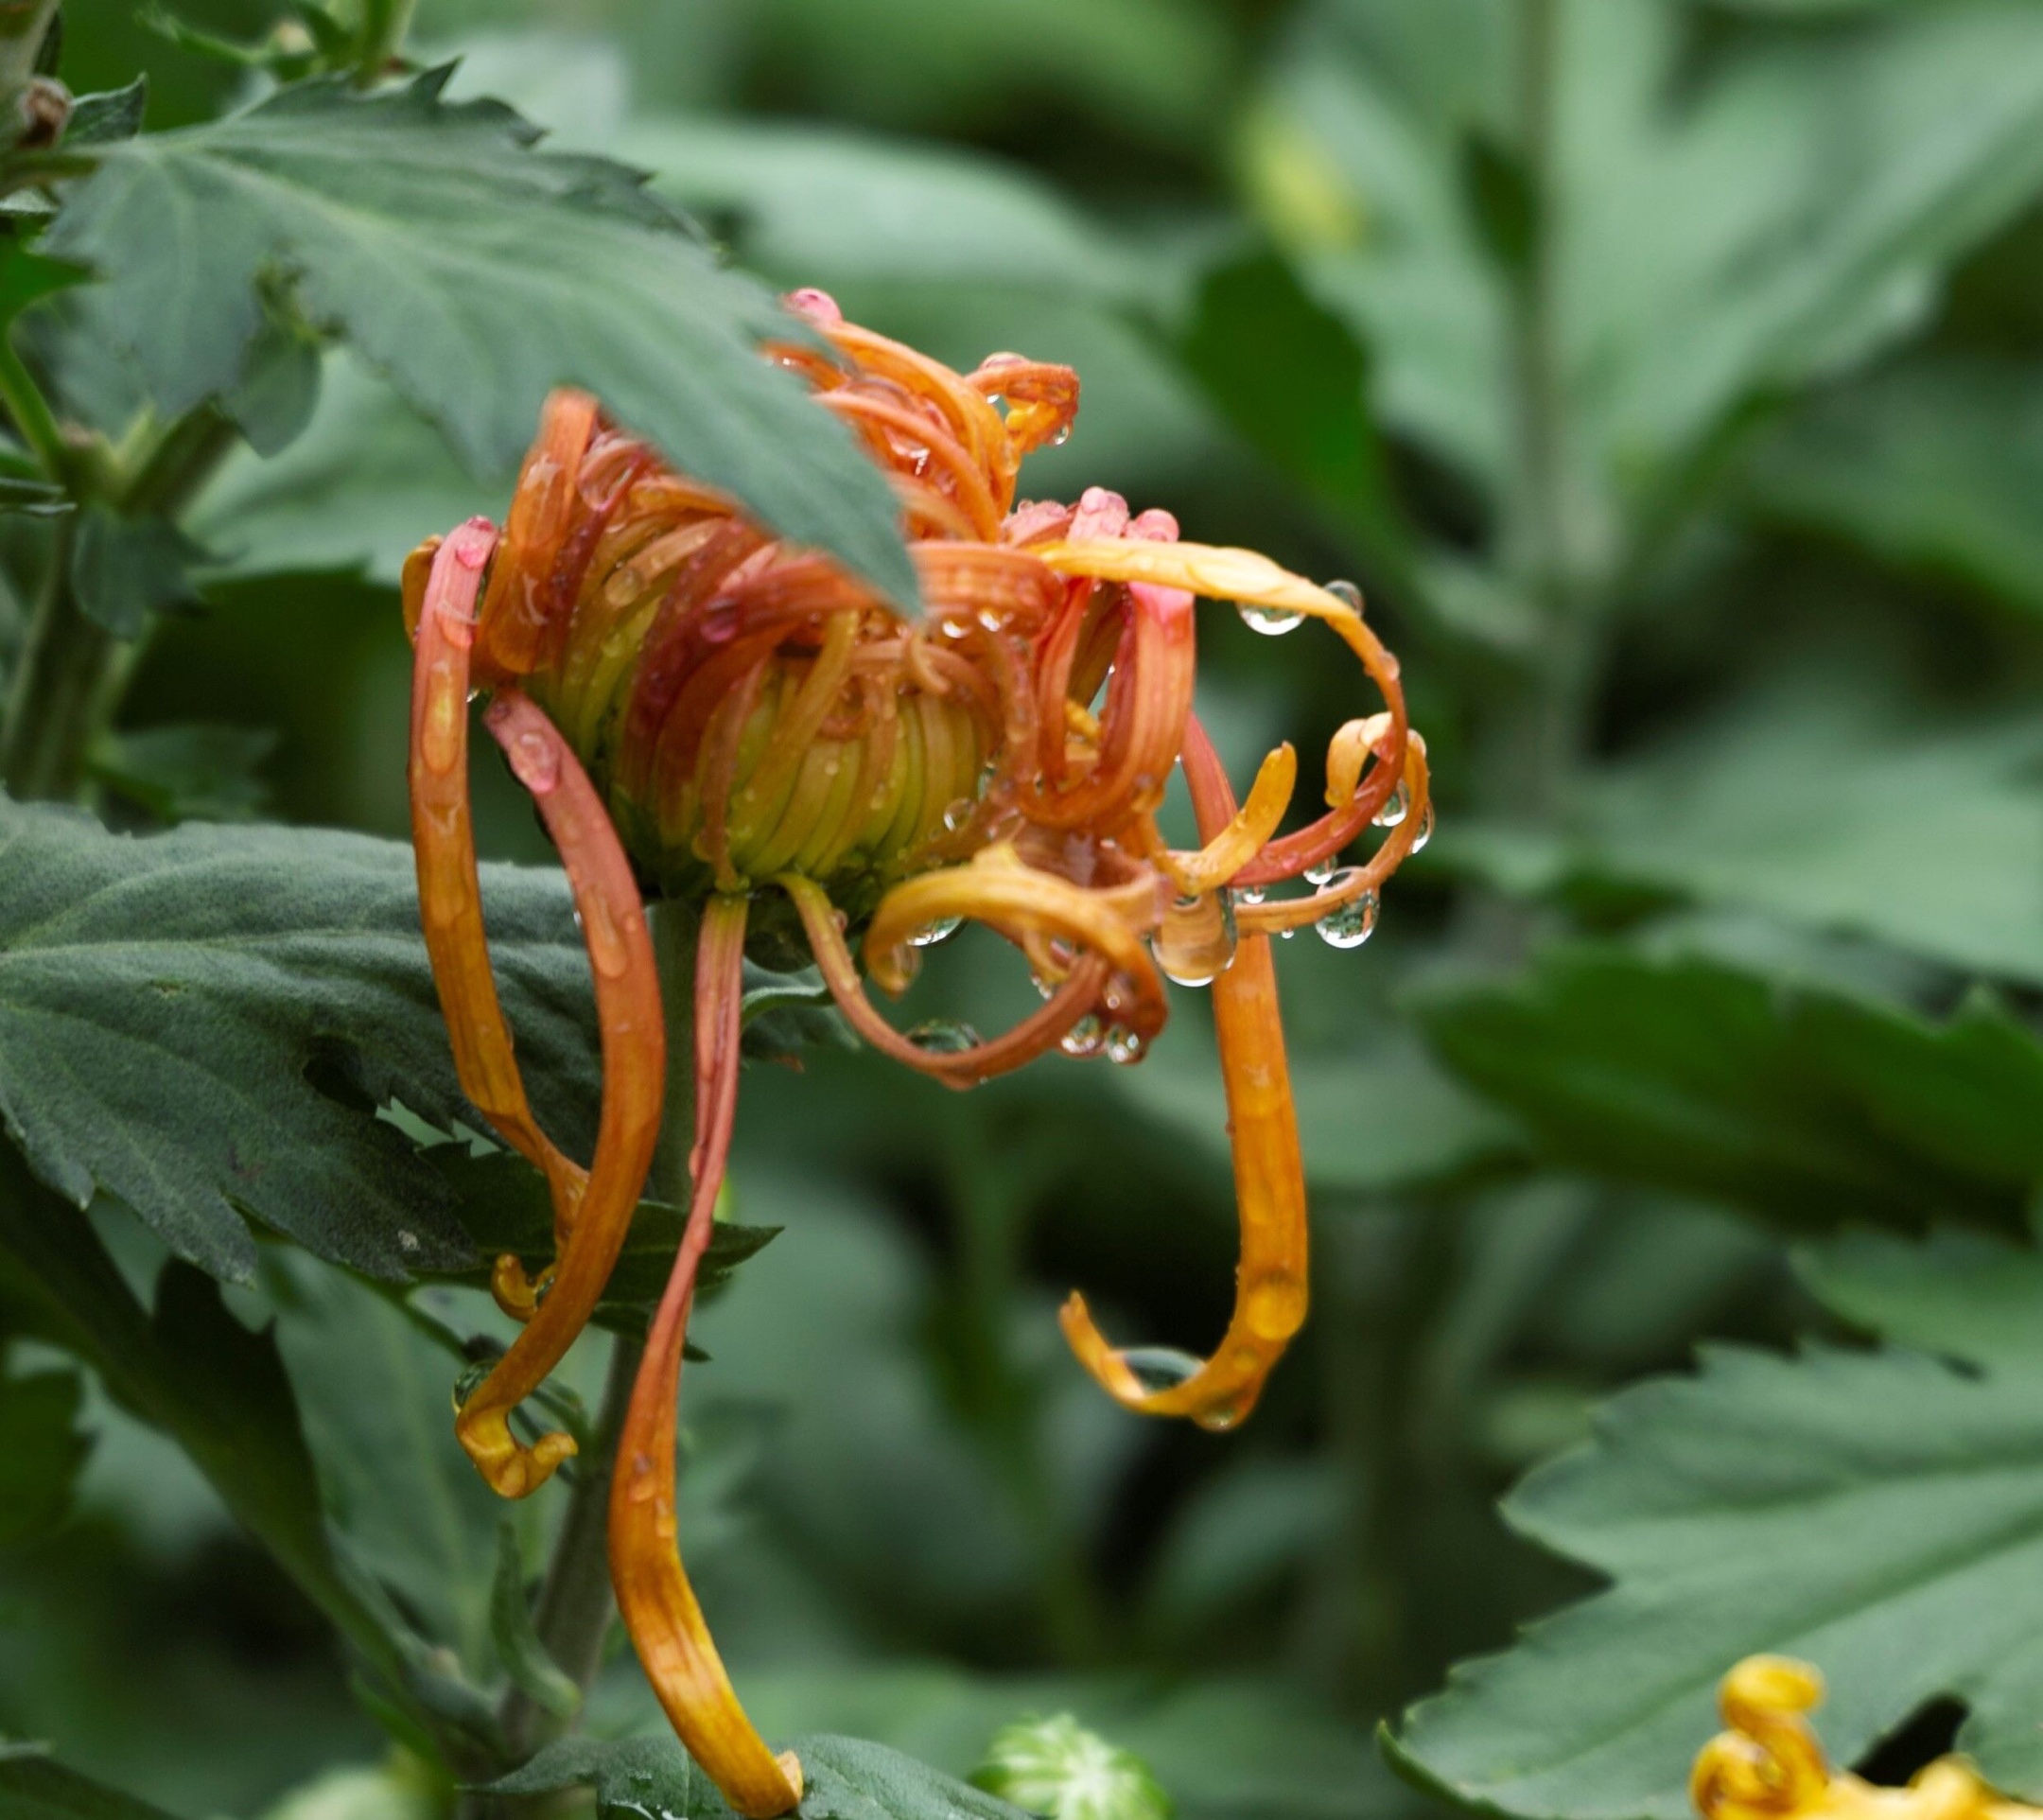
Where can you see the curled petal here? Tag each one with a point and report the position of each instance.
(1270, 1181)
(1770, 1761)
(443, 838)
(1029, 906)
(1244, 576)
(522, 604)
(1234, 846)
(635, 1066)
(1077, 996)
(1276, 914)
(660, 1606)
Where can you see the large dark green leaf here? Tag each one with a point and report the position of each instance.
(1803, 1104)
(847, 1778)
(1935, 466)
(1878, 1513)
(1824, 805)
(43, 1451)
(161, 1000)
(476, 273)
(34, 1786)
(193, 1370)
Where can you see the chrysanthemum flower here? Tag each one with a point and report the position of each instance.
(704, 713)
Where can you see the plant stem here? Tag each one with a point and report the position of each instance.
(31, 413)
(576, 1604)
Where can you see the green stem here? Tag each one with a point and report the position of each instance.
(68, 682)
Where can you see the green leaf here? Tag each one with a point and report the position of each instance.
(364, 483)
(1057, 1768)
(1786, 804)
(188, 773)
(34, 1786)
(194, 1371)
(1877, 1513)
(43, 1452)
(1291, 377)
(123, 570)
(277, 391)
(1806, 1105)
(524, 1655)
(112, 114)
(374, 1388)
(179, 1013)
(822, 205)
(33, 498)
(1932, 466)
(476, 273)
(846, 1780)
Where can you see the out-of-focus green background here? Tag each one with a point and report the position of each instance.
(1677, 401)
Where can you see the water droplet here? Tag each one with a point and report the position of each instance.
(1084, 1037)
(608, 953)
(1195, 944)
(1397, 805)
(957, 814)
(945, 1036)
(1220, 1418)
(1287, 933)
(536, 760)
(1319, 874)
(1061, 437)
(1045, 989)
(1124, 1046)
(1251, 894)
(1161, 1368)
(446, 722)
(1272, 621)
(720, 625)
(407, 1242)
(1347, 593)
(1276, 1309)
(994, 618)
(951, 625)
(1425, 831)
(932, 932)
(1351, 924)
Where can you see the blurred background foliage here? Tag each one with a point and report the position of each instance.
(1670, 377)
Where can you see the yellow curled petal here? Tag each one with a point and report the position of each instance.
(1195, 874)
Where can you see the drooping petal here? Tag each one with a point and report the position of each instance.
(443, 837)
(634, 1067)
(660, 1606)
(1269, 1178)
(1075, 998)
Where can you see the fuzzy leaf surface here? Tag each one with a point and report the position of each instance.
(477, 274)
(162, 1000)
(1878, 1513)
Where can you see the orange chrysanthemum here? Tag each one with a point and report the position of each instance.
(705, 712)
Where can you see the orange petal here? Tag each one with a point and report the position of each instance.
(1076, 997)
(1216, 862)
(634, 1068)
(1270, 1180)
(660, 1610)
(1244, 576)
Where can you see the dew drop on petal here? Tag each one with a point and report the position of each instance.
(1045, 989)
(1195, 943)
(1272, 621)
(1425, 831)
(1347, 593)
(1084, 1037)
(536, 762)
(1220, 1418)
(1397, 805)
(945, 1036)
(957, 814)
(1319, 874)
(1161, 1368)
(1351, 924)
(1124, 1046)
(1061, 437)
(1251, 894)
(932, 932)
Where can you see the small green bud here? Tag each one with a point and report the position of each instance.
(1057, 1768)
